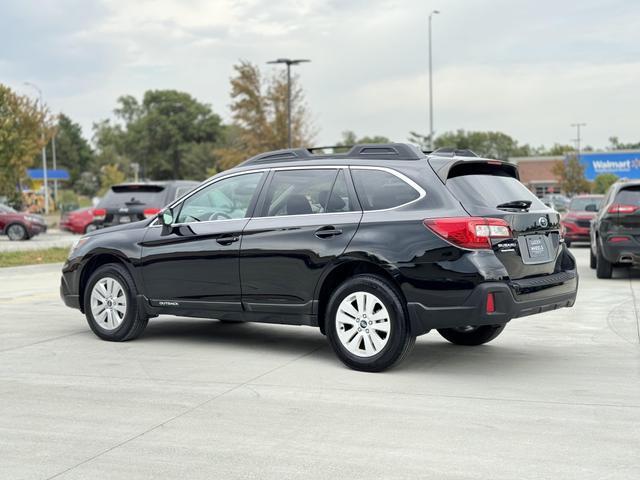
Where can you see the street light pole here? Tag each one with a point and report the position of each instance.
(577, 126)
(434, 12)
(44, 149)
(288, 62)
(55, 180)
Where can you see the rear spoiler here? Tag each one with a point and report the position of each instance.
(446, 167)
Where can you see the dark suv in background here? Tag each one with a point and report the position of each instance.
(374, 246)
(130, 202)
(615, 231)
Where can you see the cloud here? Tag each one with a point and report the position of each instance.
(528, 68)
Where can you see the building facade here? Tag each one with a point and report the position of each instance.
(537, 173)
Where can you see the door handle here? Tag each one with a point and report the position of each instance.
(227, 240)
(328, 232)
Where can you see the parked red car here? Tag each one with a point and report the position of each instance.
(576, 222)
(78, 221)
(18, 225)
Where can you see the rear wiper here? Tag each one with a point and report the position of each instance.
(515, 205)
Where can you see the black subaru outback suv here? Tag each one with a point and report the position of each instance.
(374, 246)
(615, 232)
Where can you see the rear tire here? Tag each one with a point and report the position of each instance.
(17, 232)
(111, 305)
(592, 258)
(604, 268)
(367, 324)
(471, 336)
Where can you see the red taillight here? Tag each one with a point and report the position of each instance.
(469, 232)
(619, 208)
(99, 213)
(491, 303)
(150, 212)
(619, 239)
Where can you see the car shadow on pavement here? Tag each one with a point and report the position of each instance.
(429, 354)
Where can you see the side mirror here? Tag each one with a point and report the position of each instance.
(166, 218)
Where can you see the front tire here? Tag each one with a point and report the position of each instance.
(470, 335)
(593, 261)
(17, 232)
(367, 324)
(110, 304)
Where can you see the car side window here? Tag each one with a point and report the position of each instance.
(379, 190)
(225, 199)
(340, 200)
(300, 192)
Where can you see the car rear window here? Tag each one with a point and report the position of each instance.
(134, 195)
(489, 191)
(581, 204)
(629, 196)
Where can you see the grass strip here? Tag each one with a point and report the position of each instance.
(33, 257)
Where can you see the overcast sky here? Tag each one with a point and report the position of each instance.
(528, 68)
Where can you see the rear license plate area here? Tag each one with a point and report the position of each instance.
(124, 219)
(535, 249)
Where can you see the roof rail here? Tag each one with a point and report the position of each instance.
(382, 151)
(454, 152)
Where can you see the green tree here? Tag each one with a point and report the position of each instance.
(421, 140)
(162, 133)
(571, 176)
(259, 115)
(110, 175)
(556, 150)
(615, 144)
(350, 138)
(21, 125)
(496, 145)
(603, 181)
(73, 152)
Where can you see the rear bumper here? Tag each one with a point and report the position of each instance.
(512, 300)
(623, 252)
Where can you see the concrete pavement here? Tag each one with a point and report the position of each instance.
(53, 238)
(555, 396)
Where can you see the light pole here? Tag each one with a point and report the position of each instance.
(55, 180)
(577, 126)
(44, 149)
(433, 12)
(288, 62)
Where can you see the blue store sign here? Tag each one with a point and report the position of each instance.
(622, 164)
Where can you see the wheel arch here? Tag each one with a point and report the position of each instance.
(95, 262)
(344, 269)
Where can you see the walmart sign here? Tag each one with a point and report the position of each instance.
(623, 164)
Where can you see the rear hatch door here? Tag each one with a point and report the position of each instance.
(491, 189)
(128, 202)
(624, 212)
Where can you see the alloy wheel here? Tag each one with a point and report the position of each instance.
(363, 324)
(108, 303)
(16, 232)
